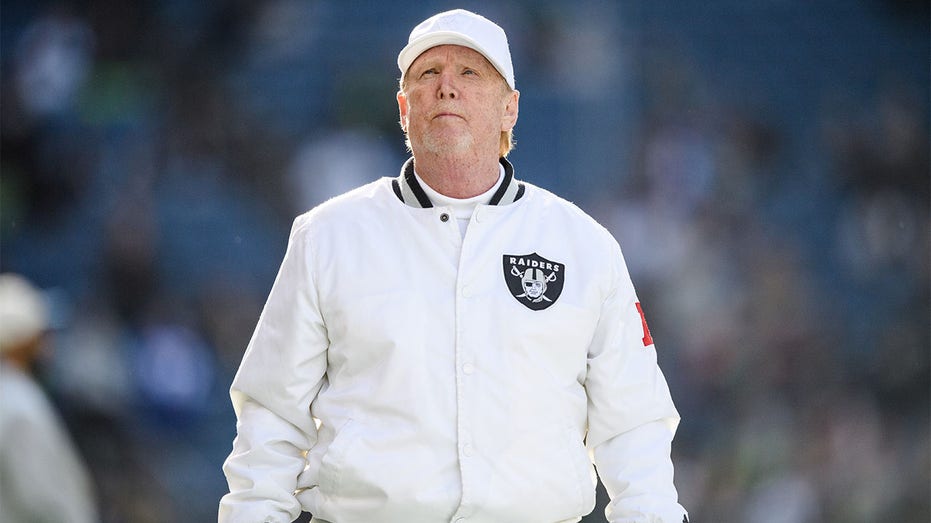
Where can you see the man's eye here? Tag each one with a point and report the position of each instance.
(469, 71)
(428, 72)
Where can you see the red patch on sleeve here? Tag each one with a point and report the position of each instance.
(647, 337)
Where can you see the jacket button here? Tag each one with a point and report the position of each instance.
(444, 217)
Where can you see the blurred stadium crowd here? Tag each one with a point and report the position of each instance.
(764, 164)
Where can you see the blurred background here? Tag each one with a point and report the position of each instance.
(763, 163)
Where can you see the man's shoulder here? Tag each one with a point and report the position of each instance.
(555, 215)
(560, 208)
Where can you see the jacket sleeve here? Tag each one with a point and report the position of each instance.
(281, 373)
(632, 419)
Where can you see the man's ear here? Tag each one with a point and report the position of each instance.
(402, 110)
(512, 105)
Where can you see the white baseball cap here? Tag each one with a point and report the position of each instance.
(460, 27)
(24, 311)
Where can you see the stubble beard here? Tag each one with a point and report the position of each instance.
(441, 142)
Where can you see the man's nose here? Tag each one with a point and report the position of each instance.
(447, 88)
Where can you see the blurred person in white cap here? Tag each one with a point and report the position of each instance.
(42, 476)
(451, 344)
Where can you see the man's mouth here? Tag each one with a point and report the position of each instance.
(446, 114)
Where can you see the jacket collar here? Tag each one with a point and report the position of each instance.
(408, 189)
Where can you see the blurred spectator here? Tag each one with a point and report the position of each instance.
(42, 476)
(174, 370)
(53, 59)
(335, 163)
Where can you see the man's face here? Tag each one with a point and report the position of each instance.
(455, 101)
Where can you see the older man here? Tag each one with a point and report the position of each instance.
(451, 344)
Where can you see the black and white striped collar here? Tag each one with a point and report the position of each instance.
(409, 191)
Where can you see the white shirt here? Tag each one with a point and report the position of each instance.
(42, 476)
(462, 208)
(401, 372)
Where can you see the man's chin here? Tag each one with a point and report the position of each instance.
(446, 145)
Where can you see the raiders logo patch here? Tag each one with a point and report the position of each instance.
(533, 280)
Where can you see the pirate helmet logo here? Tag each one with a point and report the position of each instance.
(533, 280)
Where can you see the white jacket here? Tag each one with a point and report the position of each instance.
(402, 373)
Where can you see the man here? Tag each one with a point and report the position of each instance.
(451, 344)
(42, 476)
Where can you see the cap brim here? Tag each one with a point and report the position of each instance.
(416, 48)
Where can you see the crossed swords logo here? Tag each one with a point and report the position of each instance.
(534, 281)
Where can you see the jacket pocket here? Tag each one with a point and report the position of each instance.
(542, 475)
